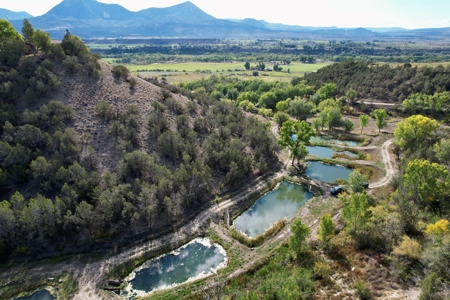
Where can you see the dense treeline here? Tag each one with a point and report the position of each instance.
(382, 81)
(54, 196)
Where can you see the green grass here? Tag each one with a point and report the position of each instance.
(176, 72)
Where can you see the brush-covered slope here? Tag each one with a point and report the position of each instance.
(92, 154)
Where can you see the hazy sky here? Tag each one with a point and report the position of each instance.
(344, 13)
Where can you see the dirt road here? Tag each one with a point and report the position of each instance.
(388, 161)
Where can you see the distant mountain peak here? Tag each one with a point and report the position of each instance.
(13, 15)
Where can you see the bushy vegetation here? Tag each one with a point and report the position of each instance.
(56, 198)
(382, 81)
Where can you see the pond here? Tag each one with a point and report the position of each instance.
(324, 139)
(325, 152)
(39, 295)
(274, 206)
(328, 173)
(197, 259)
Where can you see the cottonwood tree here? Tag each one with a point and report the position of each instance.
(381, 118)
(363, 121)
(294, 135)
(426, 182)
(326, 228)
(355, 211)
(300, 233)
(42, 40)
(415, 131)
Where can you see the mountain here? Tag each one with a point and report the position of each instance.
(12, 15)
(92, 19)
(185, 12)
(87, 10)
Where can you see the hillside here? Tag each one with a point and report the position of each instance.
(101, 155)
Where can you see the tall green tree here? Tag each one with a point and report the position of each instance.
(300, 233)
(247, 65)
(27, 31)
(294, 135)
(363, 121)
(326, 228)
(351, 95)
(381, 118)
(355, 211)
(42, 40)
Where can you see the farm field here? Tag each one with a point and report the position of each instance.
(185, 72)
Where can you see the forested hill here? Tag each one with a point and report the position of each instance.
(90, 153)
(382, 81)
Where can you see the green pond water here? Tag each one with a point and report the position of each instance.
(274, 206)
(324, 139)
(327, 173)
(192, 261)
(325, 152)
(39, 295)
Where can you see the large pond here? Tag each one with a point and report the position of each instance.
(324, 139)
(325, 152)
(39, 295)
(328, 173)
(192, 261)
(274, 206)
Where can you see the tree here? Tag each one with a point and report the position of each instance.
(27, 31)
(351, 95)
(356, 211)
(327, 90)
(294, 135)
(348, 125)
(300, 107)
(42, 40)
(381, 118)
(247, 65)
(281, 117)
(363, 121)
(427, 181)
(326, 228)
(7, 32)
(103, 109)
(300, 233)
(415, 131)
(356, 181)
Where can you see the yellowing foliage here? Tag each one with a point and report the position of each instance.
(440, 228)
(409, 248)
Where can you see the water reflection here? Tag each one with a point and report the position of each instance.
(197, 259)
(39, 295)
(328, 173)
(272, 207)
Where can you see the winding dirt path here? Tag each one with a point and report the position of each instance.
(388, 165)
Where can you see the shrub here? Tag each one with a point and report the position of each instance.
(71, 64)
(132, 83)
(363, 291)
(321, 270)
(103, 109)
(120, 71)
(408, 248)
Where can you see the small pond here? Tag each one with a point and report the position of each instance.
(39, 295)
(328, 173)
(195, 260)
(325, 152)
(324, 139)
(274, 206)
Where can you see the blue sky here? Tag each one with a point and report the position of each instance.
(344, 13)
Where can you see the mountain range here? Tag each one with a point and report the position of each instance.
(12, 15)
(92, 19)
